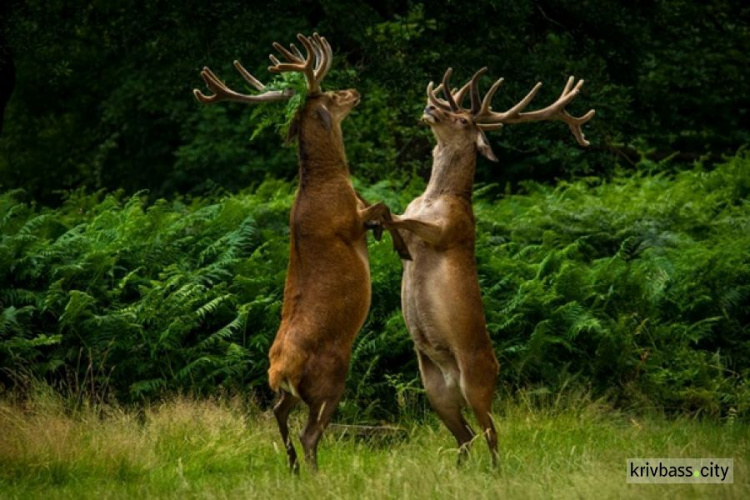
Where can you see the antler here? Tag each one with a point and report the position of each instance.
(455, 97)
(486, 119)
(223, 93)
(314, 65)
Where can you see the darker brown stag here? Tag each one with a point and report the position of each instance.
(440, 294)
(327, 290)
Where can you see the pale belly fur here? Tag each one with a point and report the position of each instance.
(427, 295)
(427, 302)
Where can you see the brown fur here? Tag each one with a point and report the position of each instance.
(327, 291)
(327, 254)
(441, 299)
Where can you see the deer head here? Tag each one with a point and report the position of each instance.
(461, 127)
(330, 108)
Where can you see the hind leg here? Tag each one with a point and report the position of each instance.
(478, 379)
(281, 412)
(320, 415)
(447, 402)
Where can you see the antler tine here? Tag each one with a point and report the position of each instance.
(516, 110)
(490, 126)
(435, 99)
(329, 51)
(569, 84)
(487, 117)
(474, 86)
(297, 52)
(447, 90)
(213, 82)
(318, 53)
(319, 58)
(223, 93)
(274, 61)
(575, 123)
(486, 106)
(248, 77)
(326, 55)
(461, 94)
(284, 52)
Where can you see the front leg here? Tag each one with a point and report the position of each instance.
(372, 212)
(431, 232)
(380, 215)
(368, 216)
(377, 229)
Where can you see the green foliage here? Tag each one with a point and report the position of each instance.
(636, 288)
(176, 295)
(281, 118)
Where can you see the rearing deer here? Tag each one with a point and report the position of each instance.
(327, 290)
(440, 295)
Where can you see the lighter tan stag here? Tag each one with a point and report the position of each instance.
(327, 290)
(440, 294)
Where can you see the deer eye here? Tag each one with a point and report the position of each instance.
(463, 121)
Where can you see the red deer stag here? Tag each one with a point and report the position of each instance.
(327, 290)
(440, 296)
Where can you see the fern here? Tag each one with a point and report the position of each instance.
(639, 286)
(280, 117)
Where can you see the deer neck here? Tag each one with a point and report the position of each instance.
(452, 171)
(321, 152)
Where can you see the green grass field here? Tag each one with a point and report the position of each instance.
(562, 448)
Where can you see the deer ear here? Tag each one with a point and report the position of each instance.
(484, 147)
(293, 131)
(325, 116)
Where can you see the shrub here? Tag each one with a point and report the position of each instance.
(636, 288)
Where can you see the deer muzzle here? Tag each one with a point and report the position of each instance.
(430, 114)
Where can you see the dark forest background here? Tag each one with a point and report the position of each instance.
(144, 235)
(102, 95)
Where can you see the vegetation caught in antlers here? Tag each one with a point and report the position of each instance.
(315, 65)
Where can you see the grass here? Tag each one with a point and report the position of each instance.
(562, 448)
